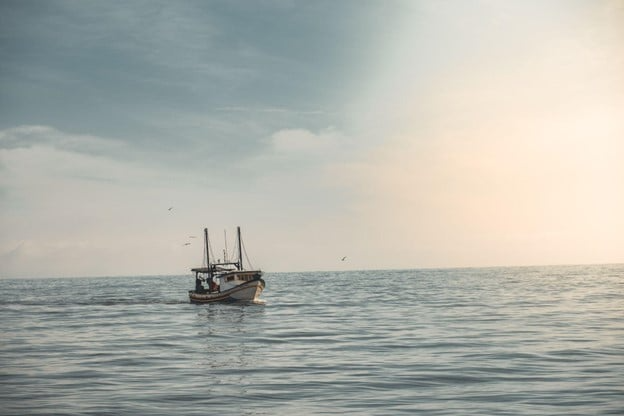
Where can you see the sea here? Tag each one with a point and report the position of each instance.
(474, 341)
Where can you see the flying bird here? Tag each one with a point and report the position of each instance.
(187, 244)
(170, 208)
(344, 258)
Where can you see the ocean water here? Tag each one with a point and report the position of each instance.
(492, 341)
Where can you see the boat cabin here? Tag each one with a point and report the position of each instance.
(222, 276)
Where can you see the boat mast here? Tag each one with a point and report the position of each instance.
(240, 250)
(207, 251)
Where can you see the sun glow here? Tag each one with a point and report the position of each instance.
(514, 158)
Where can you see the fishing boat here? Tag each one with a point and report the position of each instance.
(226, 281)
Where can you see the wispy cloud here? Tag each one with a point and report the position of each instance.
(29, 136)
(299, 141)
(270, 110)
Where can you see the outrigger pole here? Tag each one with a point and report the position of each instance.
(240, 250)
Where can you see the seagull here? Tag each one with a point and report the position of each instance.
(170, 208)
(343, 259)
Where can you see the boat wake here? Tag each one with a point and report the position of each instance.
(99, 302)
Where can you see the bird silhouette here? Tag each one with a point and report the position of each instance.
(187, 244)
(170, 208)
(344, 258)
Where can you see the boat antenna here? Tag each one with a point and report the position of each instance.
(240, 250)
(225, 252)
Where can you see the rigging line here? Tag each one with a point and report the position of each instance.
(246, 257)
(211, 251)
(235, 245)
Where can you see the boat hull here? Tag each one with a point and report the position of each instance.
(246, 292)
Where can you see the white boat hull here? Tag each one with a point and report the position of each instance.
(246, 292)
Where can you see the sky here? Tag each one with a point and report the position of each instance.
(400, 134)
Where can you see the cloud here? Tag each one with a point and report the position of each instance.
(298, 163)
(301, 141)
(481, 133)
(28, 136)
(70, 206)
(269, 110)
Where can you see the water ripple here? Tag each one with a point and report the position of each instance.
(498, 341)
